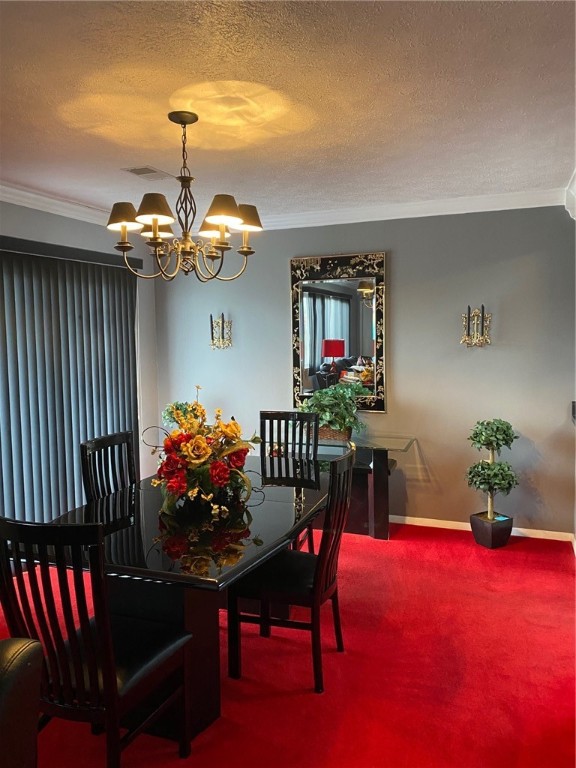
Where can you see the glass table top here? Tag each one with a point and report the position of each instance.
(402, 443)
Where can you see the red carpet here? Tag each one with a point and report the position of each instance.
(456, 657)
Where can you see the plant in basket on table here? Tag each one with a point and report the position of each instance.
(204, 519)
(489, 528)
(337, 409)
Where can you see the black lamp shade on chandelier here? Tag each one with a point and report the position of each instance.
(154, 217)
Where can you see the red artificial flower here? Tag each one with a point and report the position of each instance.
(223, 539)
(173, 443)
(175, 546)
(171, 465)
(238, 458)
(219, 474)
(177, 485)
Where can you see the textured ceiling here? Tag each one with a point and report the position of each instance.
(314, 111)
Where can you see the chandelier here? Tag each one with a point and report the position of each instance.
(366, 290)
(205, 258)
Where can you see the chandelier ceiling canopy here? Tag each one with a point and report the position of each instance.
(205, 258)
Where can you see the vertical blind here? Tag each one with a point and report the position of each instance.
(68, 373)
(323, 317)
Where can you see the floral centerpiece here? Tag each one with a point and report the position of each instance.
(204, 517)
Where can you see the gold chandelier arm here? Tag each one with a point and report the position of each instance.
(139, 274)
(172, 251)
(233, 277)
(209, 273)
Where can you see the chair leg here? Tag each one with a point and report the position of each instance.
(317, 650)
(234, 650)
(337, 623)
(310, 533)
(112, 742)
(264, 617)
(186, 732)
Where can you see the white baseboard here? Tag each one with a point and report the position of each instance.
(528, 532)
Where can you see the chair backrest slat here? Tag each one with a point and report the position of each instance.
(335, 516)
(107, 464)
(53, 589)
(293, 433)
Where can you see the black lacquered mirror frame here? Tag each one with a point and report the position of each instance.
(352, 266)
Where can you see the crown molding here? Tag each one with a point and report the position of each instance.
(16, 196)
(446, 207)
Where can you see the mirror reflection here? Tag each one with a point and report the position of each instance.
(337, 333)
(338, 325)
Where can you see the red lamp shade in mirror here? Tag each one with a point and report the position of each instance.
(333, 348)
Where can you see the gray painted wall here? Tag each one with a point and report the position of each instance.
(520, 264)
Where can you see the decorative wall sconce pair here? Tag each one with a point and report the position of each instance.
(220, 332)
(476, 327)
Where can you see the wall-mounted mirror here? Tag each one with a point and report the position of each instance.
(338, 325)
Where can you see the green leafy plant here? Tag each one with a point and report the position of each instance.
(494, 435)
(492, 476)
(336, 406)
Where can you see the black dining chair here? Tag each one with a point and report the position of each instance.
(108, 467)
(292, 434)
(288, 435)
(286, 471)
(20, 671)
(98, 668)
(107, 464)
(293, 577)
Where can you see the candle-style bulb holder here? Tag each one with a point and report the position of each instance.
(476, 327)
(220, 333)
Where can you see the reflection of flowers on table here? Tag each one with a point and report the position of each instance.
(204, 518)
(199, 539)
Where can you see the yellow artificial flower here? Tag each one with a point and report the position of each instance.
(219, 510)
(196, 451)
(231, 430)
(231, 556)
(198, 566)
(190, 424)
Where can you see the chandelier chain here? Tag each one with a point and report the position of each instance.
(184, 171)
(185, 204)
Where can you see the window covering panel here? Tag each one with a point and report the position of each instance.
(323, 317)
(68, 373)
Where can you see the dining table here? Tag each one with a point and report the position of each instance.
(182, 573)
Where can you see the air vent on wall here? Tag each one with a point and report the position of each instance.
(146, 172)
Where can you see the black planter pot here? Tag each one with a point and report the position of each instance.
(491, 533)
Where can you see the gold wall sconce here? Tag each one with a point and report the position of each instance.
(220, 332)
(476, 327)
(366, 291)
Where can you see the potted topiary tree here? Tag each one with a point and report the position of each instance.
(337, 410)
(489, 528)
